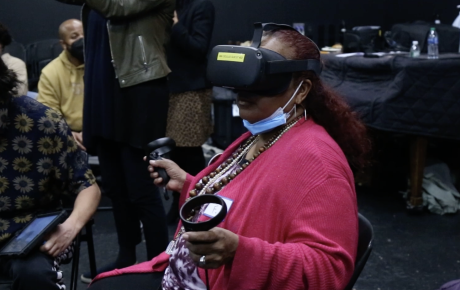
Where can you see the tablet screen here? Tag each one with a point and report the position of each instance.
(19, 243)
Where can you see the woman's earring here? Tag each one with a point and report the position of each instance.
(305, 114)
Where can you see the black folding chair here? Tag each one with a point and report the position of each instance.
(17, 50)
(39, 54)
(366, 236)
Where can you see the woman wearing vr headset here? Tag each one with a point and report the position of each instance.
(292, 213)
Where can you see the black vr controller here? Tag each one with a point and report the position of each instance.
(188, 210)
(158, 149)
(190, 206)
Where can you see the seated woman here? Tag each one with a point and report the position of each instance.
(293, 219)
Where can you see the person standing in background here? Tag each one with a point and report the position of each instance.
(61, 82)
(13, 63)
(189, 116)
(126, 105)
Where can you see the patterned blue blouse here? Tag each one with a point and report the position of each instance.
(40, 163)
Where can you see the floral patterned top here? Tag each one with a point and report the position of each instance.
(40, 163)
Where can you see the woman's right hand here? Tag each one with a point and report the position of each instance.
(176, 174)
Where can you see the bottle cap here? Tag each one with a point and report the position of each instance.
(415, 42)
(432, 28)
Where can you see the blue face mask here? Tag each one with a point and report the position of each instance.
(278, 118)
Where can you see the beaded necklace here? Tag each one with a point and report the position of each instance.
(204, 185)
(211, 184)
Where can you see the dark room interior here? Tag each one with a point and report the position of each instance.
(407, 101)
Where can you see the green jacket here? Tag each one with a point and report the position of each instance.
(138, 32)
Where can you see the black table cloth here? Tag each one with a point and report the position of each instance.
(396, 93)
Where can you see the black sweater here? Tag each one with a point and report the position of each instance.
(187, 52)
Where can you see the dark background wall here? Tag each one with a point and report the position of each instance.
(32, 20)
(235, 17)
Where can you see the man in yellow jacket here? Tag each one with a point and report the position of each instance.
(61, 84)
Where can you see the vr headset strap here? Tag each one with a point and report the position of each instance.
(289, 66)
(257, 37)
(259, 29)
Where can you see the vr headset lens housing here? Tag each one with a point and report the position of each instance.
(254, 69)
(243, 68)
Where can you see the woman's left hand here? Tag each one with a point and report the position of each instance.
(217, 245)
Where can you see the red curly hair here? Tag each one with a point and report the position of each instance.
(326, 107)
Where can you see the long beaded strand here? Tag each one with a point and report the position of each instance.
(224, 167)
(204, 185)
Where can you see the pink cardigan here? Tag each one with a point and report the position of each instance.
(295, 213)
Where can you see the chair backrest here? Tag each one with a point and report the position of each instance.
(17, 50)
(366, 236)
(39, 54)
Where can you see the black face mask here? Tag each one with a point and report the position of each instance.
(76, 50)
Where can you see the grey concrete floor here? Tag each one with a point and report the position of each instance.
(410, 251)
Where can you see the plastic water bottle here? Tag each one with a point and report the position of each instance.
(433, 51)
(415, 49)
(457, 20)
